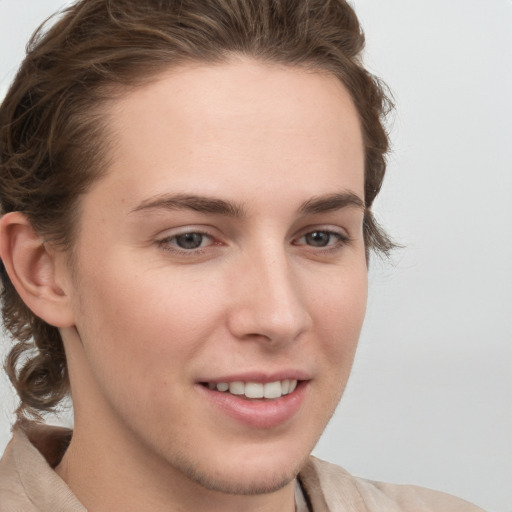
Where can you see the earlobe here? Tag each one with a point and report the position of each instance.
(32, 269)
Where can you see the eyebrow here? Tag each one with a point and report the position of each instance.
(200, 204)
(212, 205)
(332, 202)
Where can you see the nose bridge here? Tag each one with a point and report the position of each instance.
(268, 301)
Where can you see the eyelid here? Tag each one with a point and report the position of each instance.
(335, 230)
(183, 230)
(164, 240)
(341, 241)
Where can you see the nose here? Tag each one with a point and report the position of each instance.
(267, 302)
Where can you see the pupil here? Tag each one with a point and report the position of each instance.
(318, 238)
(189, 240)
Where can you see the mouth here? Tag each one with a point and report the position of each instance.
(256, 403)
(255, 390)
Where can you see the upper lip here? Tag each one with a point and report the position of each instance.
(256, 376)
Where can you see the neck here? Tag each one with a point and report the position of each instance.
(107, 475)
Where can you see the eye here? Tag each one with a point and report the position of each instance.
(186, 241)
(322, 238)
(190, 240)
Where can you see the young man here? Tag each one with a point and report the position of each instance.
(186, 195)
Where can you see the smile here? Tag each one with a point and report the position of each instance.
(269, 390)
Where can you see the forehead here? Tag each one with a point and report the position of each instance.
(269, 125)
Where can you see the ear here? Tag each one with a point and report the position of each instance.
(33, 268)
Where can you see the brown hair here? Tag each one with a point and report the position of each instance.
(52, 136)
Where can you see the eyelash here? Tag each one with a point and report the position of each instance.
(169, 243)
(341, 239)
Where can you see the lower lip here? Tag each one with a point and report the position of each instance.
(262, 413)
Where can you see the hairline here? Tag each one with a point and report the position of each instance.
(110, 94)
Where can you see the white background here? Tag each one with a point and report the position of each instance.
(429, 401)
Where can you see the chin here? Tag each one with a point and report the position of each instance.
(251, 477)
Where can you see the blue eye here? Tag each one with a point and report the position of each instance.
(186, 242)
(189, 240)
(322, 238)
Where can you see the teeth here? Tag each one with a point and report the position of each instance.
(257, 389)
(237, 388)
(272, 390)
(222, 386)
(254, 390)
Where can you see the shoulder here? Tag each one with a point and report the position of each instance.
(28, 482)
(342, 491)
(13, 497)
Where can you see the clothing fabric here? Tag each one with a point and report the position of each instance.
(29, 484)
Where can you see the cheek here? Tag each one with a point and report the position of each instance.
(146, 322)
(140, 342)
(339, 316)
(340, 303)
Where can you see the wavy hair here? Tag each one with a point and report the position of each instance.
(53, 142)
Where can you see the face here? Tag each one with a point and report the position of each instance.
(223, 249)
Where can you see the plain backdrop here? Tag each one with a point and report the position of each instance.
(429, 400)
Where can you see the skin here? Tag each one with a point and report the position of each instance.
(144, 321)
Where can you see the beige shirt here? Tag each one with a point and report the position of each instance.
(29, 484)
